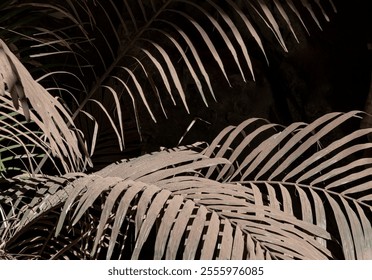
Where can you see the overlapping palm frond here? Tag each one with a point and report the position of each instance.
(259, 191)
(193, 217)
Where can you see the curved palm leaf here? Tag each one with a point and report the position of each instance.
(174, 18)
(320, 185)
(17, 86)
(25, 29)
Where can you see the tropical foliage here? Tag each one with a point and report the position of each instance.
(95, 74)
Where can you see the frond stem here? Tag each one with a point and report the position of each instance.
(308, 187)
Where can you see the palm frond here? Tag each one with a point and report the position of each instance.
(259, 191)
(321, 185)
(193, 217)
(160, 45)
(18, 87)
(26, 28)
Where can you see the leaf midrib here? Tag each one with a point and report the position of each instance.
(308, 187)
